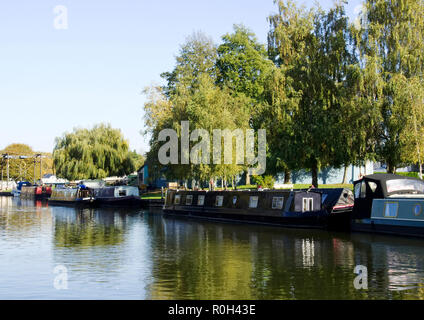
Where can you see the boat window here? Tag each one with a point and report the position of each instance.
(391, 209)
(357, 190)
(234, 199)
(417, 210)
(201, 200)
(219, 200)
(177, 199)
(253, 202)
(189, 200)
(363, 190)
(308, 204)
(405, 185)
(277, 202)
(372, 185)
(122, 193)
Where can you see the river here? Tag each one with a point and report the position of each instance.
(52, 252)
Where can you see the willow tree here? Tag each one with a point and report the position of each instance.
(391, 43)
(92, 154)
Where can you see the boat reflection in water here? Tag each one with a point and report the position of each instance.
(134, 254)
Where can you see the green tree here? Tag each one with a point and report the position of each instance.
(244, 68)
(391, 42)
(313, 49)
(22, 169)
(192, 94)
(92, 154)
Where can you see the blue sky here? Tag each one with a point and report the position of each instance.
(54, 80)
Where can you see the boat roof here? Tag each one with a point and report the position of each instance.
(382, 177)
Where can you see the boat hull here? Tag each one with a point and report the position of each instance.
(82, 203)
(317, 220)
(369, 226)
(130, 201)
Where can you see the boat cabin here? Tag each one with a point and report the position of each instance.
(389, 203)
(72, 195)
(117, 195)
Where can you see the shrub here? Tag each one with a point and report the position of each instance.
(264, 181)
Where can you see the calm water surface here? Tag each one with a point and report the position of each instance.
(136, 254)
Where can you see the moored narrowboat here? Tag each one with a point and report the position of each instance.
(117, 196)
(36, 192)
(389, 203)
(72, 196)
(315, 208)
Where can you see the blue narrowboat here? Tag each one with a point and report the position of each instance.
(389, 203)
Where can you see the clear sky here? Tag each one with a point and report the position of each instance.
(52, 80)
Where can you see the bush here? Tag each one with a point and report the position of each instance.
(264, 182)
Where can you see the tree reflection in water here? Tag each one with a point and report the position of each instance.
(122, 253)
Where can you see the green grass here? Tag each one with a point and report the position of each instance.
(154, 195)
(406, 174)
(325, 186)
(295, 186)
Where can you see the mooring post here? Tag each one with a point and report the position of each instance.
(7, 171)
(35, 162)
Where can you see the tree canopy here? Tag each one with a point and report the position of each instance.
(329, 92)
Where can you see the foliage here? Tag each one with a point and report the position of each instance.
(329, 93)
(267, 181)
(391, 43)
(92, 154)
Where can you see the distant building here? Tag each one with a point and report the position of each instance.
(52, 179)
(151, 178)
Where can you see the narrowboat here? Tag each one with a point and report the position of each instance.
(389, 203)
(80, 195)
(117, 196)
(314, 208)
(36, 192)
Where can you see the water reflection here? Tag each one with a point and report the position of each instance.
(133, 254)
(223, 261)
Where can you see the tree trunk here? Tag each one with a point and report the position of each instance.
(315, 176)
(247, 177)
(287, 176)
(391, 168)
(345, 175)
